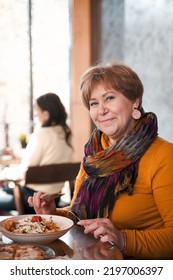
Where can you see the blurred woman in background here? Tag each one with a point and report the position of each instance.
(50, 143)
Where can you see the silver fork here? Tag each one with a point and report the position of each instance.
(78, 219)
(48, 197)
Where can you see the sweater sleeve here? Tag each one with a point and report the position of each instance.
(79, 179)
(157, 243)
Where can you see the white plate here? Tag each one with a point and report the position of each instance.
(50, 253)
(40, 238)
(6, 240)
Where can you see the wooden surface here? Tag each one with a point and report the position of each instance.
(81, 60)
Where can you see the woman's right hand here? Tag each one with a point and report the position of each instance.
(41, 206)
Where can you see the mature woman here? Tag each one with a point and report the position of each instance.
(50, 143)
(124, 189)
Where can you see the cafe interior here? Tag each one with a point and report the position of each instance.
(46, 45)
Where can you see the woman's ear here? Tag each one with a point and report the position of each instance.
(136, 104)
(46, 115)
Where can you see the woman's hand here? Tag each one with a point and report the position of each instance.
(105, 230)
(41, 206)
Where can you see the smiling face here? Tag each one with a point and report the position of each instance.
(111, 112)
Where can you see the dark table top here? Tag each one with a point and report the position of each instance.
(76, 245)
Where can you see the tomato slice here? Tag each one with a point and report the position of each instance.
(36, 219)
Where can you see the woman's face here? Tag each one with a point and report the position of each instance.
(111, 112)
(39, 115)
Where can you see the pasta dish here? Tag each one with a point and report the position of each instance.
(34, 224)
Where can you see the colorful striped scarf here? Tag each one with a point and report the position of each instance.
(113, 170)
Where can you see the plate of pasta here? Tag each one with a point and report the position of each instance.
(40, 229)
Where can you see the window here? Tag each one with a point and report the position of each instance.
(35, 59)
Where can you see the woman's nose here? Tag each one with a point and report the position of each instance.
(102, 109)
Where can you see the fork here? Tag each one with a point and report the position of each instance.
(48, 197)
(78, 220)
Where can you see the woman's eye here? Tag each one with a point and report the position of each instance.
(91, 104)
(110, 97)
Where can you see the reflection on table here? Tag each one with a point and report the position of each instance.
(79, 246)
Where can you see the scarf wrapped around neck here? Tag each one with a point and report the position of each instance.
(113, 170)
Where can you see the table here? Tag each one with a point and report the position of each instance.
(9, 175)
(9, 161)
(75, 245)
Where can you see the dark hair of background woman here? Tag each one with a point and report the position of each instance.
(51, 102)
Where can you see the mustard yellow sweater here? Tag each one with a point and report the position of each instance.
(147, 214)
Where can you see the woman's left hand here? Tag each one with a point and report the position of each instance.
(104, 229)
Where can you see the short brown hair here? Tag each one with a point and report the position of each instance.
(116, 76)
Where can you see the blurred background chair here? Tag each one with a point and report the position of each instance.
(54, 173)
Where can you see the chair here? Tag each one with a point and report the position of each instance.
(54, 173)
